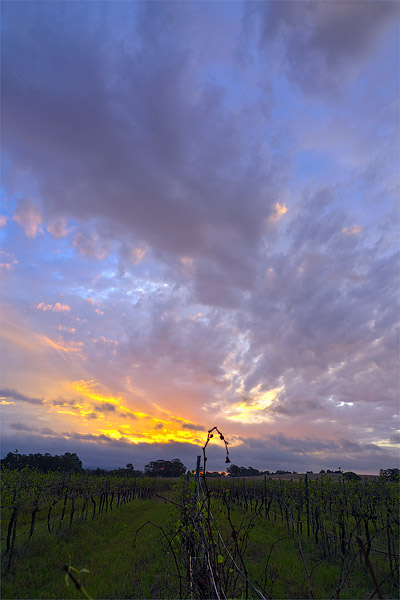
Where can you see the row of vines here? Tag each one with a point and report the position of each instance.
(353, 524)
(31, 500)
(324, 508)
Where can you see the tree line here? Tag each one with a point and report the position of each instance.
(70, 462)
(45, 463)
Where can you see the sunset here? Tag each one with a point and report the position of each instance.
(199, 228)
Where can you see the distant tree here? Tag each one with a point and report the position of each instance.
(322, 471)
(70, 462)
(252, 472)
(350, 476)
(98, 471)
(129, 471)
(390, 474)
(165, 468)
(243, 471)
(234, 470)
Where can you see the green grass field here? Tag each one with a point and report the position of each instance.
(121, 564)
(104, 547)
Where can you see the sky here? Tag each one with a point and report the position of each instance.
(199, 228)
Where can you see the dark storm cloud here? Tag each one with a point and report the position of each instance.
(65, 401)
(193, 427)
(20, 427)
(34, 430)
(89, 437)
(127, 415)
(15, 395)
(107, 406)
(48, 431)
(149, 146)
(324, 41)
(395, 438)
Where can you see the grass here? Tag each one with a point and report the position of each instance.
(104, 547)
(287, 576)
(118, 570)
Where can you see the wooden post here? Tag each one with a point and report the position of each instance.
(198, 478)
(307, 504)
(265, 495)
(198, 468)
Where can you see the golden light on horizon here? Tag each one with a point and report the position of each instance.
(142, 428)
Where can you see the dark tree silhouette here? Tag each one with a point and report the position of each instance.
(390, 474)
(165, 468)
(243, 471)
(43, 462)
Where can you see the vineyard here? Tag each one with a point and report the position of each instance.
(198, 538)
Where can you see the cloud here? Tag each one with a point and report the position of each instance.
(57, 307)
(63, 348)
(59, 229)
(8, 261)
(325, 42)
(14, 395)
(105, 406)
(157, 194)
(278, 212)
(352, 230)
(20, 427)
(91, 246)
(28, 216)
(47, 431)
(193, 427)
(137, 255)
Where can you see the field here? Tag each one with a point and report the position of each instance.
(76, 536)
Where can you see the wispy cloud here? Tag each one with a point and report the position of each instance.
(15, 395)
